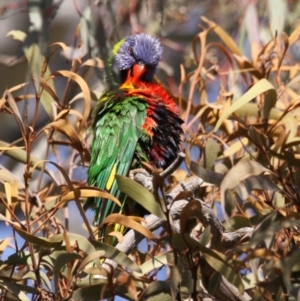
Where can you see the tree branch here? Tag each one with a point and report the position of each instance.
(221, 241)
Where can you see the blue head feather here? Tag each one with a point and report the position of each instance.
(139, 48)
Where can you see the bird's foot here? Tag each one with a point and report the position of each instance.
(143, 177)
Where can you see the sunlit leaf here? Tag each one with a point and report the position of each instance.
(95, 62)
(223, 35)
(126, 221)
(84, 88)
(260, 87)
(294, 35)
(191, 210)
(155, 263)
(277, 9)
(235, 147)
(81, 241)
(91, 257)
(87, 192)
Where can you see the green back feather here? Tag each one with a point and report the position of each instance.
(117, 127)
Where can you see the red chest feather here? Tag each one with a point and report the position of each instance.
(162, 122)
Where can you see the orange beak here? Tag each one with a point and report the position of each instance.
(137, 71)
(134, 75)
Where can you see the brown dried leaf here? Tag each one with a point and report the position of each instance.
(294, 35)
(95, 62)
(126, 221)
(87, 192)
(124, 279)
(63, 126)
(223, 35)
(84, 88)
(48, 89)
(14, 108)
(118, 235)
(192, 209)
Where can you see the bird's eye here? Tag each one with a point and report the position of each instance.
(130, 50)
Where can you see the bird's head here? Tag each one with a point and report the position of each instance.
(137, 57)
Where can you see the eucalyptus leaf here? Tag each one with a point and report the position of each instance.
(140, 194)
(117, 256)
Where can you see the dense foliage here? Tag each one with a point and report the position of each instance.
(224, 220)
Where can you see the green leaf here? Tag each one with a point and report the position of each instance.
(39, 241)
(98, 292)
(210, 153)
(155, 262)
(207, 176)
(91, 257)
(116, 256)
(241, 171)
(279, 200)
(157, 291)
(269, 103)
(14, 289)
(83, 244)
(20, 258)
(21, 155)
(44, 277)
(214, 283)
(215, 259)
(237, 222)
(205, 236)
(175, 279)
(265, 230)
(140, 194)
(287, 265)
(91, 293)
(61, 260)
(229, 203)
(224, 269)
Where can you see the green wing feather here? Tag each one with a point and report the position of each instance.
(117, 127)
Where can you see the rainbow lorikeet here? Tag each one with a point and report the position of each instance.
(134, 122)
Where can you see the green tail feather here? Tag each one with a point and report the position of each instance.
(117, 127)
